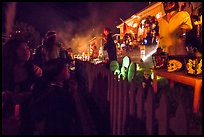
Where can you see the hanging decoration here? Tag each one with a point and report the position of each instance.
(148, 30)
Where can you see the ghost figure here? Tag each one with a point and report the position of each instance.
(124, 68)
(126, 62)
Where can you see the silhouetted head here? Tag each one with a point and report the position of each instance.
(17, 50)
(50, 37)
(106, 31)
(170, 6)
(147, 74)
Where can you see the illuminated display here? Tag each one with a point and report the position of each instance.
(194, 66)
(174, 65)
(127, 69)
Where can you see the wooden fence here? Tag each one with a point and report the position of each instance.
(129, 112)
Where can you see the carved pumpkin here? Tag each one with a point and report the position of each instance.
(194, 66)
(174, 65)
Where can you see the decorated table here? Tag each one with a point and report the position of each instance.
(182, 77)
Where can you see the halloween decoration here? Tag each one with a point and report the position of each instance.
(123, 72)
(160, 58)
(114, 65)
(126, 62)
(127, 69)
(174, 65)
(146, 82)
(194, 66)
(131, 71)
(124, 68)
(148, 30)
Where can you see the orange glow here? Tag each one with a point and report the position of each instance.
(135, 25)
(159, 15)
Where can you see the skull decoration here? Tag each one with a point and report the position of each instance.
(147, 80)
(174, 65)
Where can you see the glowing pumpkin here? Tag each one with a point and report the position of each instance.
(194, 66)
(174, 65)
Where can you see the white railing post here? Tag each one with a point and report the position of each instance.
(162, 114)
(149, 110)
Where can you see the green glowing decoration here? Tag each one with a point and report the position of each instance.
(124, 68)
(127, 70)
(126, 62)
(114, 65)
(139, 68)
(117, 71)
(123, 72)
(131, 71)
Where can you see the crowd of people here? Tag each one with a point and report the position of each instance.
(41, 86)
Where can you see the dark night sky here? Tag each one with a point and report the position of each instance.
(51, 15)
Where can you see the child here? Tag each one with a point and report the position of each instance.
(54, 109)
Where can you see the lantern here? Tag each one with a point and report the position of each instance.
(160, 59)
(194, 65)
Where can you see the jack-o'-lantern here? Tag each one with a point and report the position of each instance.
(174, 65)
(194, 66)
